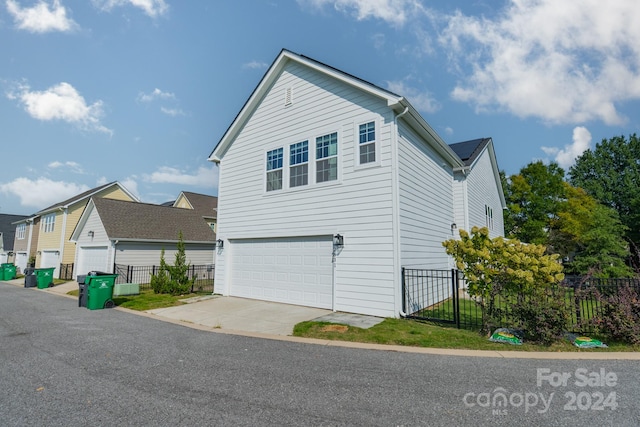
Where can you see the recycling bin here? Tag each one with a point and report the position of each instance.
(7, 271)
(44, 277)
(99, 290)
(30, 279)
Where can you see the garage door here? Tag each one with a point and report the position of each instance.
(21, 261)
(92, 258)
(289, 270)
(49, 259)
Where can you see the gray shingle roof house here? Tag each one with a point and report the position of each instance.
(206, 206)
(330, 185)
(7, 236)
(113, 232)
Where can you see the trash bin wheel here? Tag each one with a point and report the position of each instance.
(109, 304)
(51, 285)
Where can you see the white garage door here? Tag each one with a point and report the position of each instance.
(92, 258)
(50, 259)
(21, 261)
(289, 270)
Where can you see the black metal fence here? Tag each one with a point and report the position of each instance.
(203, 274)
(440, 296)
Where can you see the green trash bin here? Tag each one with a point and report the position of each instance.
(7, 271)
(44, 277)
(100, 291)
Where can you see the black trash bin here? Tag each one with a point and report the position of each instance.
(82, 290)
(30, 279)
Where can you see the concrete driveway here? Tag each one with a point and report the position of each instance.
(240, 314)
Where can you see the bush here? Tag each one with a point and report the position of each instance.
(619, 315)
(543, 317)
(173, 279)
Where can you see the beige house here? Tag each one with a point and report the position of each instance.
(58, 221)
(206, 206)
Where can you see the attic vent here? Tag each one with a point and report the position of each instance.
(288, 96)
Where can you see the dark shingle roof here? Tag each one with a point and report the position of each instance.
(205, 205)
(8, 229)
(468, 151)
(141, 221)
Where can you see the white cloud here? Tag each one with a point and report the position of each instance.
(152, 8)
(41, 192)
(71, 166)
(564, 62)
(41, 17)
(255, 65)
(567, 156)
(422, 101)
(394, 12)
(61, 102)
(202, 177)
(156, 94)
(173, 112)
(131, 184)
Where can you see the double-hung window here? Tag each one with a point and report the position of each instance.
(327, 158)
(367, 142)
(21, 231)
(48, 222)
(274, 169)
(488, 213)
(299, 164)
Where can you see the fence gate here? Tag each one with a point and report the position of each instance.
(431, 295)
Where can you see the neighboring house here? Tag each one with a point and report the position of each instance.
(207, 206)
(8, 236)
(25, 242)
(58, 221)
(113, 232)
(329, 185)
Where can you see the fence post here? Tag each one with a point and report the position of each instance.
(456, 300)
(404, 295)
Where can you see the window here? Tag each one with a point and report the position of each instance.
(299, 164)
(274, 169)
(488, 213)
(367, 135)
(327, 158)
(20, 231)
(48, 222)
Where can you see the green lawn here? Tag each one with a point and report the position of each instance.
(148, 300)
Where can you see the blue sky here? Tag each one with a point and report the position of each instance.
(140, 91)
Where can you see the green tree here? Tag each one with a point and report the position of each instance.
(611, 174)
(532, 199)
(591, 234)
(173, 279)
(160, 282)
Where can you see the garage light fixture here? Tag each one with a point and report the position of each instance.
(453, 227)
(90, 234)
(338, 241)
(219, 243)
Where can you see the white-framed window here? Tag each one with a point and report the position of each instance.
(488, 213)
(327, 158)
(48, 223)
(367, 143)
(274, 169)
(299, 164)
(21, 231)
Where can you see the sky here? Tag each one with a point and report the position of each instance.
(141, 91)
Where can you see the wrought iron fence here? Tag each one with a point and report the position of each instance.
(203, 274)
(440, 296)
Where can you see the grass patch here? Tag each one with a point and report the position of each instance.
(426, 334)
(148, 300)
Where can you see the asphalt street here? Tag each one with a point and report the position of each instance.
(61, 365)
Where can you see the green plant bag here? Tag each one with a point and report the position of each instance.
(506, 336)
(582, 341)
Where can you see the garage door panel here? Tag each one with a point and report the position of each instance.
(92, 258)
(299, 272)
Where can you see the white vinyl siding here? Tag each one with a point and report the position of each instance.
(147, 254)
(359, 205)
(426, 203)
(482, 194)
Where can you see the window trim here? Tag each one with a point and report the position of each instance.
(282, 168)
(328, 157)
(49, 221)
(299, 164)
(21, 231)
(356, 143)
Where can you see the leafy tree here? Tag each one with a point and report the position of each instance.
(591, 234)
(532, 201)
(611, 174)
(504, 268)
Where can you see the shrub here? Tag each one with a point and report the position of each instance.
(619, 315)
(173, 279)
(543, 317)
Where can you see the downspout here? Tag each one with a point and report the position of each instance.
(62, 236)
(396, 200)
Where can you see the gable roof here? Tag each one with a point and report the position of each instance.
(87, 194)
(468, 151)
(203, 204)
(397, 103)
(124, 220)
(8, 229)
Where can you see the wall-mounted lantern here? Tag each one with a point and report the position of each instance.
(219, 243)
(90, 234)
(338, 241)
(454, 227)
